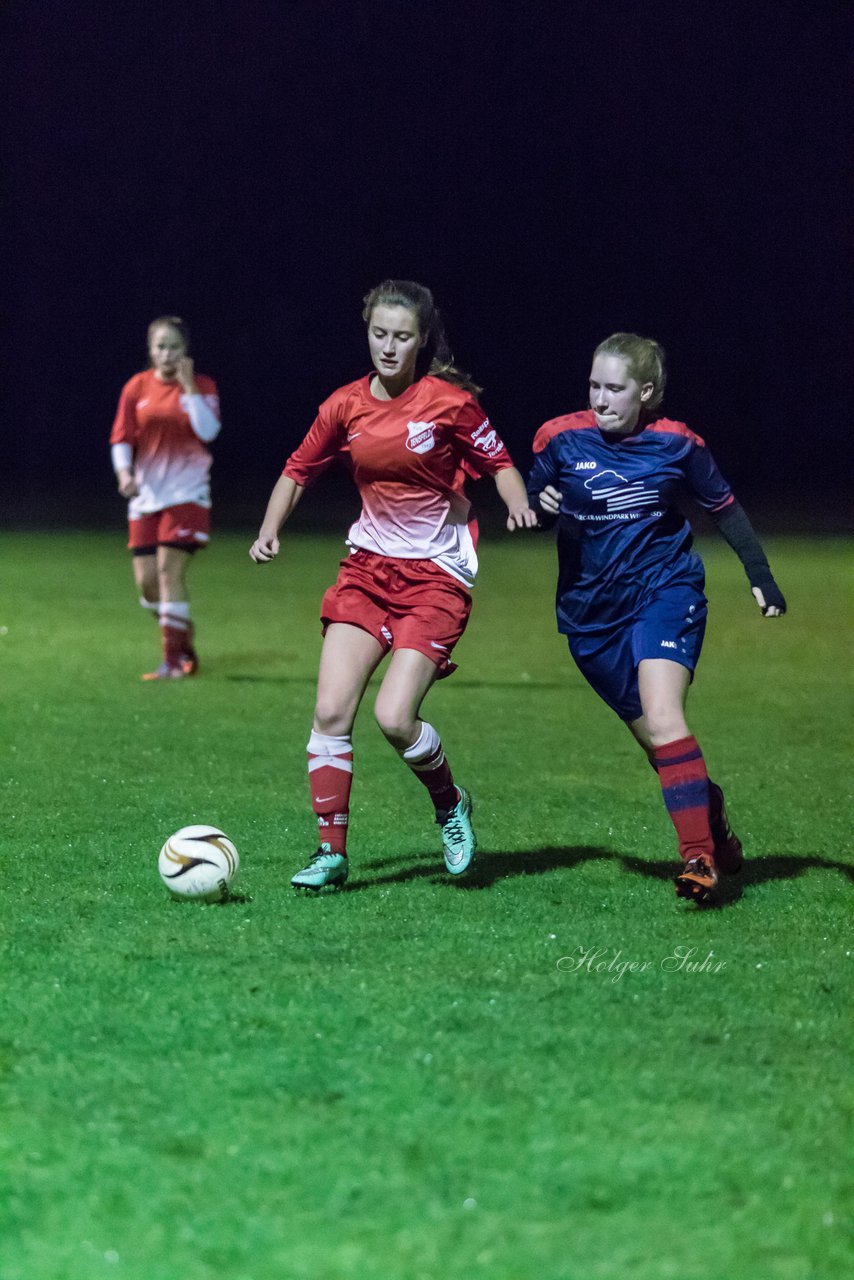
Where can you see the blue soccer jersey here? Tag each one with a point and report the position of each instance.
(621, 536)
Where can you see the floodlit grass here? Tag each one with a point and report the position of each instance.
(416, 1079)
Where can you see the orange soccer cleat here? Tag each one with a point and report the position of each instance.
(165, 672)
(189, 662)
(698, 879)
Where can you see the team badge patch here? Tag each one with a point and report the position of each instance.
(486, 438)
(421, 436)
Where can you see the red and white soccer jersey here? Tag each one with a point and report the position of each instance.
(409, 457)
(171, 464)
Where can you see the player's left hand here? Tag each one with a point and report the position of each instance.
(522, 518)
(185, 373)
(770, 600)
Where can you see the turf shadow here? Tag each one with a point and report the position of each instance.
(487, 869)
(248, 677)
(255, 677)
(755, 871)
(730, 888)
(787, 866)
(490, 867)
(462, 685)
(784, 866)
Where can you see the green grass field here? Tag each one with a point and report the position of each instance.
(416, 1079)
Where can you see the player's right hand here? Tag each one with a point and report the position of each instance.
(264, 549)
(128, 486)
(550, 500)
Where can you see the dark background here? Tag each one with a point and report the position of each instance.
(554, 172)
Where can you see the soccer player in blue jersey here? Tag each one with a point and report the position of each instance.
(630, 588)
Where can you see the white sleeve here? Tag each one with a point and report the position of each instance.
(203, 412)
(122, 456)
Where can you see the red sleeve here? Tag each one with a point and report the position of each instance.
(481, 449)
(705, 481)
(326, 438)
(125, 427)
(566, 422)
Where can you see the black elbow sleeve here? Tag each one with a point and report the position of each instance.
(739, 533)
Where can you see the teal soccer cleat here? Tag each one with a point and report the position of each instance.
(327, 870)
(458, 838)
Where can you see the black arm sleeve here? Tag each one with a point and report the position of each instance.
(735, 527)
(545, 518)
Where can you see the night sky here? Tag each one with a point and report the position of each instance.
(554, 172)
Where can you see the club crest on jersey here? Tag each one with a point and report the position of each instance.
(421, 436)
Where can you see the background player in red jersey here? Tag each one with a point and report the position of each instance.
(166, 416)
(630, 589)
(412, 431)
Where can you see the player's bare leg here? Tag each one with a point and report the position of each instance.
(676, 756)
(406, 683)
(348, 659)
(145, 577)
(172, 567)
(148, 585)
(663, 687)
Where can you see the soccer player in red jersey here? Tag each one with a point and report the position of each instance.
(630, 595)
(412, 431)
(166, 416)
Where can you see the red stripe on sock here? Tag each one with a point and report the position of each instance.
(173, 638)
(679, 764)
(330, 800)
(439, 782)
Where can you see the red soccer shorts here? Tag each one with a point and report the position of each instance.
(187, 525)
(404, 604)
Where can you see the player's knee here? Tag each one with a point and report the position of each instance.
(331, 718)
(664, 724)
(396, 722)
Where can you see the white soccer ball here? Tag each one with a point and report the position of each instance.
(198, 862)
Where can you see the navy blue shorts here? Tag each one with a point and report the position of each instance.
(671, 625)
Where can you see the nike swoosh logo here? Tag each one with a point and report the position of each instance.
(323, 799)
(354, 436)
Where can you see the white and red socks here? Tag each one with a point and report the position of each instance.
(176, 630)
(685, 787)
(426, 759)
(330, 776)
